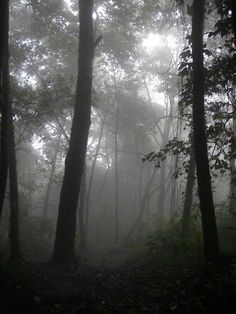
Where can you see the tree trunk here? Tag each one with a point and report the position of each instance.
(8, 159)
(64, 250)
(165, 138)
(81, 212)
(188, 194)
(100, 220)
(50, 180)
(232, 203)
(210, 237)
(88, 202)
(14, 199)
(4, 92)
(116, 178)
(141, 209)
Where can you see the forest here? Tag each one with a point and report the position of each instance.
(118, 156)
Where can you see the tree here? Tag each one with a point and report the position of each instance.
(81, 212)
(91, 177)
(8, 137)
(3, 99)
(210, 237)
(188, 193)
(50, 182)
(75, 159)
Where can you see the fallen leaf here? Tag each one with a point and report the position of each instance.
(37, 299)
(173, 307)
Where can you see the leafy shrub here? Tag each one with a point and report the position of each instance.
(36, 235)
(226, 222)
(169, 248)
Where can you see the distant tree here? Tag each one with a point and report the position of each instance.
(50, 182)
(91, 177)
(75, 159)
(210, 237)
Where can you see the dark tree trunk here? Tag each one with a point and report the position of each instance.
(210, 237)
(64, 250)
(81, 212)
(8, 160)
(232, 204)
(4, 91)
(189, 194)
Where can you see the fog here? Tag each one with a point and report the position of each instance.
(139, 191)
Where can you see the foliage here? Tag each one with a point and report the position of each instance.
(174, 147)
(169, 248)
(37, 238)
(226, 222)
(219, 101)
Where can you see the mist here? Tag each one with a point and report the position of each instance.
(117, 159)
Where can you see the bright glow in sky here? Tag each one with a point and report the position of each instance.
(94, 15)
(68, 3)
(37, 143)
(154, 40)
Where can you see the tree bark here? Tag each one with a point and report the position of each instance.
(210, 237)
(116, 177)
(81, 212)
(232, 203)
(8, 155)
(64, 250)
(188, 194)
(4, 94)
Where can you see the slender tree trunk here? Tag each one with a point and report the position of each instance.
(162, 190)
(141, 209)
(100, 220)
(50, 180)
(232, 204)
(64, 247)
(116, 178)
(14, 199)
(210, 237)
(88, 201)
(188, 194)
(99, 224)
(4, 94)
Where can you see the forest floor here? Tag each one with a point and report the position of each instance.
(126, 288)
